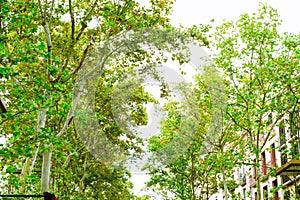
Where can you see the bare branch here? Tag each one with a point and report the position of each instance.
(41, 11)
(71, 112)
(33, 160)
(51, 11)
(85, 19)
(69, 157)
(84, 26)
(83, 57)
(72, 20)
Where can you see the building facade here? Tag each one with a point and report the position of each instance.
(279, 165)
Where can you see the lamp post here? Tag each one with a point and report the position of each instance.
(2, 107)
(46, 196)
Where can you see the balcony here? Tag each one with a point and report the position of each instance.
(291, 168)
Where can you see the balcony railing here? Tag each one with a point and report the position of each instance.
(291, 168)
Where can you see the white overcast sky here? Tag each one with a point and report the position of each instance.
(190, 12)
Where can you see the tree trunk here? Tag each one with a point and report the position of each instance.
(207, 191)
(46, 166)
(257, 176)
(45, 179)
(193, 177)
(24, 175)
(34, 160)
(224, 184)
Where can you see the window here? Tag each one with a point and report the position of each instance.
(294, 123)
(265, 192)
(254, 172)
(263, 164)
(270, 120)
(295, 150)
(275, 194)
(255, 196)
(242, 176)
(282, 136)
(273, 156)
(283, 155)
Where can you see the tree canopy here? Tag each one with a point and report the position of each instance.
(72, 84)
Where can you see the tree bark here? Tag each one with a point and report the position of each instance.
(42, 117)
(45, 179)
(224, 184)
(24, 175)
(258, 176)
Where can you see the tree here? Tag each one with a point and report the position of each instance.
(42, 55)
(186, 143)
(253, 57)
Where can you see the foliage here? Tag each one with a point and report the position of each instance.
(188, 173)
(44, 48)
(41, 55)
(257, 63)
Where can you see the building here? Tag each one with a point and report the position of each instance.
(279, 164)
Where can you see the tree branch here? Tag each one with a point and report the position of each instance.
(72, 20)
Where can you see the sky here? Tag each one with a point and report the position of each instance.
(190, 12)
